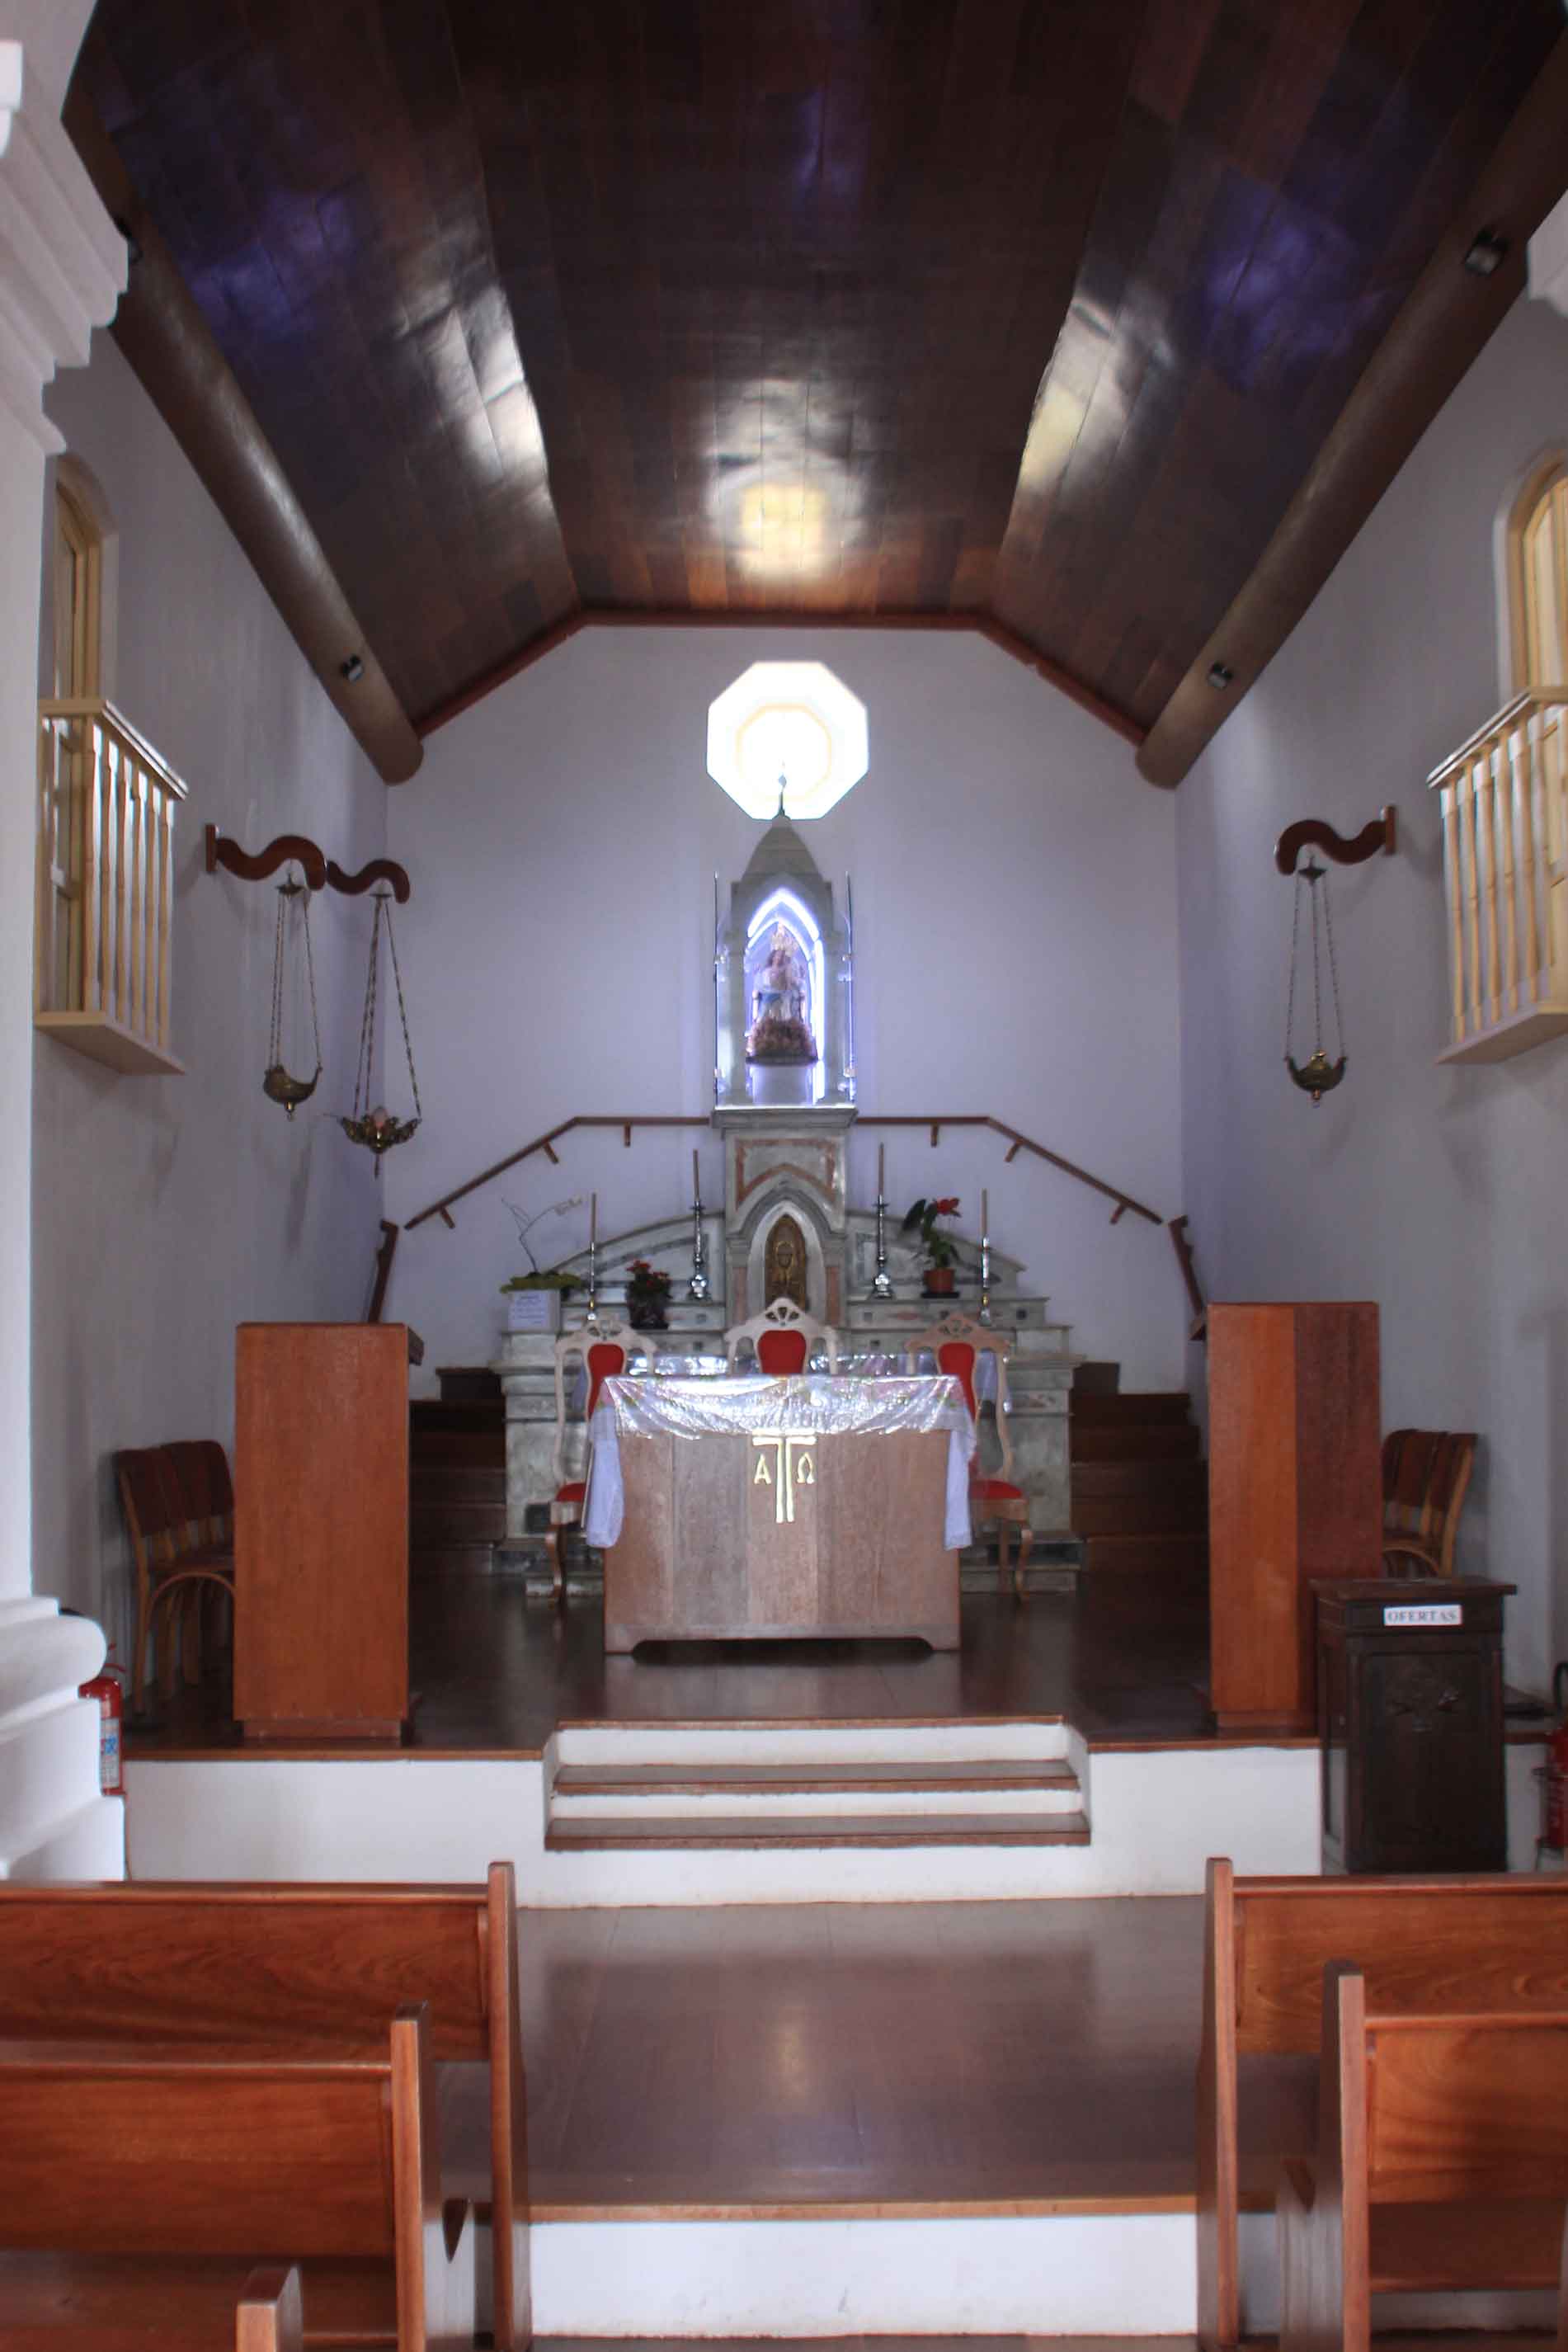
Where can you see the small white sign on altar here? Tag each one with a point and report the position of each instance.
(1426, 1612)
(533, 1310)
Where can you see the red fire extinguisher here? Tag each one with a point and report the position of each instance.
(108, 1688)
(1556, 1772)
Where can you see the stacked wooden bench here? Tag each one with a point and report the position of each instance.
(1466, 1980)
(260, 2064)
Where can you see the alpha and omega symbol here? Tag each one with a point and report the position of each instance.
(792, 1465)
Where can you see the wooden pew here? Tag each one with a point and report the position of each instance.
(150, 2155)
(323, 1967)
(53, 2304)
(1443, 1945)
(1442, 2162)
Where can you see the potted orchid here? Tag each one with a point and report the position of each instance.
(939, 1249)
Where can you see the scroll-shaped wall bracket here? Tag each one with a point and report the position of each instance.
(320, 872)
(1312, 833)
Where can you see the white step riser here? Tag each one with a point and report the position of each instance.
(623, 1805)
(1089, 2274)
(1157, 1818)
(808, 1743)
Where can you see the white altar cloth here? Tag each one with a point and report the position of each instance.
(810, 1401)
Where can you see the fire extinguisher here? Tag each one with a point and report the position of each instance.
(108, 1688)
(1557, 1766)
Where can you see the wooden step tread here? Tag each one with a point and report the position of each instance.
(1159, 1440)
(1097, 1481)
(1139, 1515)
(829, 1779)
(1104, 1555)
(1135, 1405)
(596, 1831)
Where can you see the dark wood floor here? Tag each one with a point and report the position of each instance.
(907, 2058)
(1124, 1658)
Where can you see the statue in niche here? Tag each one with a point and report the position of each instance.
(780, 1030)
(784, 1265)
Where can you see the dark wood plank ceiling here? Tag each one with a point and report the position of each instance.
(1023, 307)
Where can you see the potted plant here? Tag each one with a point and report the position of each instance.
(647, 1295)
(940, 1250)
(543, 1288)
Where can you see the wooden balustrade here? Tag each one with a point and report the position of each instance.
(1505, 863)
(105, 885)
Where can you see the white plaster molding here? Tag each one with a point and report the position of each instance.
(62, 261)
(1548, 255)
(43, 1657)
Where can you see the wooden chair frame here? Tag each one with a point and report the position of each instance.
(167, 1564)
(1445, 1459)
(781, 1314)
(566, 1515)
(1004, 1512)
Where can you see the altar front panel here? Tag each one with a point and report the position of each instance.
(730, 1537)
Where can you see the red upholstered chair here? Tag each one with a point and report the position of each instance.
(605, 1350)
(957, 1344)
(782, 1340)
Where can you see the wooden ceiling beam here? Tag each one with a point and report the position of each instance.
(975, 623)
(1442, 325)
(172, 349)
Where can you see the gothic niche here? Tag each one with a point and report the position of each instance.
(784, 1265)
(782, 969)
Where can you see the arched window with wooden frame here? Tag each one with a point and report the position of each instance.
(1538, 577)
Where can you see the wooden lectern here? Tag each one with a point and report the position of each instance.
(321, 1531)
(1295, 1493)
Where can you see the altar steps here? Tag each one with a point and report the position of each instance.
(457, 1478)
(812, 1790)
(1139, 1489)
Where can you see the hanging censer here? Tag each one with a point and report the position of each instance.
(279, 1085)
(1317, 1076)
(377, 1128)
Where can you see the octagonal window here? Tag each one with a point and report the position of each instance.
(789, 726)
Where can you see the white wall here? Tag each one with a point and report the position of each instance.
(1015, 954)
(1439, 1192)
(167, 1210)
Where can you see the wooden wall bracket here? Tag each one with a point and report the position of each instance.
(321, 872)
(288, 846)
(1310, 831)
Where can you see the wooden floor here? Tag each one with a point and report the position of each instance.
(1124, 1658)
(888, 2058)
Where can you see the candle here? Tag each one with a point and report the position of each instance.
(593, 1219)
(881, 1149)
(696, 1187)
(985, 1214)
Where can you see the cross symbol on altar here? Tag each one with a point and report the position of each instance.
(790, 1468)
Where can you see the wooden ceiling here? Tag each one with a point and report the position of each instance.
(1028, 309)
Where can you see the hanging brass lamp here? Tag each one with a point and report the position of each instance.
(1317, 1076)
(279, 1085)
(377, 1128)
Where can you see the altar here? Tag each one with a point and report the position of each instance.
(786, 1226)
(777, 1510)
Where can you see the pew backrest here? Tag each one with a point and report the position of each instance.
(1453, 2129)
(297, 1966)
(230, 2150)
(1424, 1946)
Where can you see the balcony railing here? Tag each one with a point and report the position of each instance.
(106, 886)
(1505, 834)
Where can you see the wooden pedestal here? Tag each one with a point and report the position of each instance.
(321, 1531)
(1295, 1494)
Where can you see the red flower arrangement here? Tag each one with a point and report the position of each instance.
(939, 1247)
